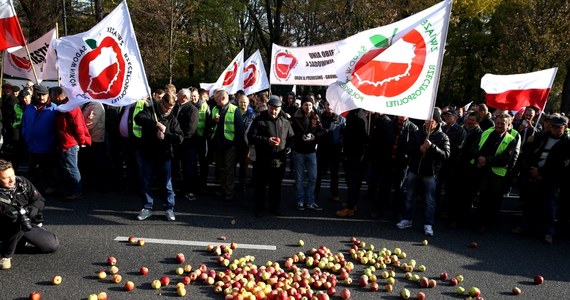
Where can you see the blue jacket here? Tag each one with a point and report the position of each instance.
(38, 128)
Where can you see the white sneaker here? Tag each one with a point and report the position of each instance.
(428, 230)
(145, 213)
(404, 224)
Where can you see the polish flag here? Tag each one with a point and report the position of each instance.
(10, 31)
(511, 92)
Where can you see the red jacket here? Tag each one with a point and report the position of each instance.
(71, 129)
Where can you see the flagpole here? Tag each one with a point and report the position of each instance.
(441, 53)
(57, 37)
(2, 71)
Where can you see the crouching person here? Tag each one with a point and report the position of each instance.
(21, 207)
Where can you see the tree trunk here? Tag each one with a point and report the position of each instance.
(565, 106)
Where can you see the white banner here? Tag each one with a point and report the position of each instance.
(254, 77)
(393, 69)
(313, 65)
(18, 64)
(102, 64)
(231, 79)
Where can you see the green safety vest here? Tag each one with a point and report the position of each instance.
(137, 129)
(202, 114)
(229, 127)
(507, 139)
(18, 119)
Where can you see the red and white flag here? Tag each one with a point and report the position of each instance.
(393, 69)
(511, 92)
(10, 31)
(209, 87)
(103, 64)
(19, 64)
(254, 76)
(231, 79)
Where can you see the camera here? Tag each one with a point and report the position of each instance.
(22, 215)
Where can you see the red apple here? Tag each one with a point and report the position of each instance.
(109, 82)
(165, 280)
(345, 294)
(132, 239)
(473, 245)
(250, 73)
(424, 282)
(421, 296)
(140, 242)
(102, 296)
(443, 276)
(432, 283)
(538, 279)
(111, 261)
(180, 258)
(143, 271)
(186, 280)
(374, 286)
(284, 63)
(453, 282)
(35, 296)
(474, 292)
(129, 286)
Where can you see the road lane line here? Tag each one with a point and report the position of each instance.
(196, 243)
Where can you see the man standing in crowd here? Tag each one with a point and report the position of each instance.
(447, 176)
(486, 117)
(496, 150)
(355, 147)
(308, 131)
(38, 129)
(427, 149)
(329, 150)
(462, 200)
(541, 171)
(527, 126)
(389, 161)
(160, 131)
(199, 142)
(72, 134)
(187, 115)
(226, 134)
(272, 135)
(21, 215)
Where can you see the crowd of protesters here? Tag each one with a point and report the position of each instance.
(457, 165)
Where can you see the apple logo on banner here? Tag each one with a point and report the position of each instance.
(250, 74)
(102, 70)
(21, 62)
(392, 69)
(230, 75)
(284, 63)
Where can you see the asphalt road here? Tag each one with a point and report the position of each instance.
(88, 229)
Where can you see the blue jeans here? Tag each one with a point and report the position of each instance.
(308, 163)
(428, 183)
(162, 170)
(70, 168)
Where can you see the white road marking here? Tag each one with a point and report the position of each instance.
(197, 243)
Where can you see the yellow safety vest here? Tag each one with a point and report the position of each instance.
(229, 127)
(202, 114)
(507, 139)
(137, 129)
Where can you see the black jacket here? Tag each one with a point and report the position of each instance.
(383, 139)
(301, 126)
(25, 195)
(456, 135)
(187, 117)
(154, 149)
(262, 128)
(429, 163)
